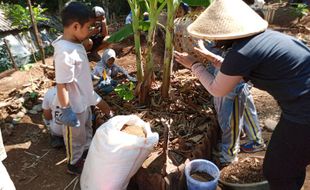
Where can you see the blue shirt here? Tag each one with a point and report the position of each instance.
(277, 63)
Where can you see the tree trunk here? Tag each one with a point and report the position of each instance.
(105, 4)
(10, 53)
(135, 26)
(36, 33)
(168, 49)
(60, 5)
(148, 76)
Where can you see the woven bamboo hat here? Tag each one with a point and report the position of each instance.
(226, 20)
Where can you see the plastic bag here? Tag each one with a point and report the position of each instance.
(115, 156)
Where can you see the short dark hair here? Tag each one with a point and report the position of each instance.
(75, 12)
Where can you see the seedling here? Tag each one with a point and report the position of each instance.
(125, 91)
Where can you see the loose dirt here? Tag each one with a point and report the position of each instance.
(202, 176)
(246, 170)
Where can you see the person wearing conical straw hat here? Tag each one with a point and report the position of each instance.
(272, 61)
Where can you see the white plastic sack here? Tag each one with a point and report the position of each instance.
(258, 4)
(115, 156)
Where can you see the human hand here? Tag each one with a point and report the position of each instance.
(110, 115)
(132, 79)
(104, 20)
(185, 59)
(105, 82)
(47, 122)
(201, 49)
(68, 117)
(106, 89)
(216, 60)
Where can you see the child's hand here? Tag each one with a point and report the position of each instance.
(132, 79)
(68, 117)
(105, 82)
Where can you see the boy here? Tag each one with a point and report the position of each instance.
(97, 38)
(50, 111)
(75, 93)
(236, 111)
(107, 69)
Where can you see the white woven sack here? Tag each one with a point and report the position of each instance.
(114, 156)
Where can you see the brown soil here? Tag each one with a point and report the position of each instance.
(134, 130)
(247, 170)
(202, 176)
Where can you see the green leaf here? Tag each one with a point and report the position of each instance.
(131, 86)
(26, 67)
(128, 96)
(20, 15)
(127, 31)
(144, 25)
(204, 3)
(121, 34)
(125, 91)
(33, 95)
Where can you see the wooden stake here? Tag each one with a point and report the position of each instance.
(36, 33)
(10, 53)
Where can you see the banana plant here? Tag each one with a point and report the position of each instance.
(136, 11)
(172, 6)
(154, 7)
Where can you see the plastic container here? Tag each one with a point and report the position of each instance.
(263, 185)
(205, 166)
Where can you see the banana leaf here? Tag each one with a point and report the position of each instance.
(127, 31)
(204, 3)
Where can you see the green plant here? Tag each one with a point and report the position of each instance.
(172, 6)
(19, 15)
(5, 63)
(154, 8)
(125, 91)
(300, 9)
(33, 95)
(26, 67)
(203, 3)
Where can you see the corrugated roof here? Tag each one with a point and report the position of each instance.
(5, 24)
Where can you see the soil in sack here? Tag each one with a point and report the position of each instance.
(133, 130)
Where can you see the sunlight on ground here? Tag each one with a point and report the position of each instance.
(25, 145)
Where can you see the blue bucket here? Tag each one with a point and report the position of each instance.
(201, 165)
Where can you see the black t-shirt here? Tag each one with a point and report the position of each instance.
(277, 63)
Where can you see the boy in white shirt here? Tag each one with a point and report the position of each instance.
(75, 93)
(50, 111)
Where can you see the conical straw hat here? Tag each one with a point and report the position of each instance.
(226, 20)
